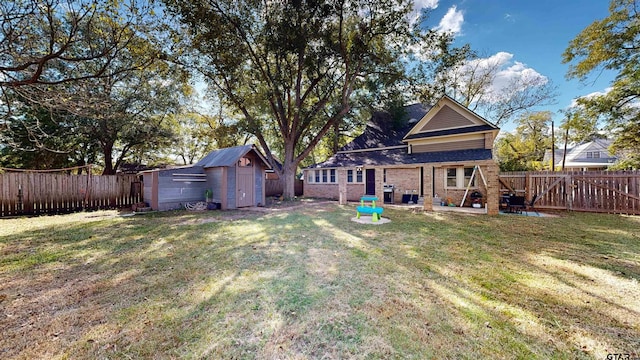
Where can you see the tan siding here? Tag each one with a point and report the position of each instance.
(451, 145)
(446, 118)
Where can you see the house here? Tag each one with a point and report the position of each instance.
(592, 155)
(235, 176)
(430, 154)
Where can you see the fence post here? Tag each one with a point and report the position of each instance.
(569, 190)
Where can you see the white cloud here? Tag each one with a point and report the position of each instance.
(500, 75)
(418, 5)
(452, 21)
(574, 102)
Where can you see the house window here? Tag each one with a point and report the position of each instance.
(452, 177)
(459, 177)
(349, 176)
(384, 176)
(321, 176)
(359, 176)
(467, 177)
(593, 154)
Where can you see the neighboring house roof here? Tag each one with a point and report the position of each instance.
(229, 156)
(577, 156)
(390, 157)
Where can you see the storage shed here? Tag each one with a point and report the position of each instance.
(235, 176)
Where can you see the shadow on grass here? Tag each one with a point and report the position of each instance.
(311, 283)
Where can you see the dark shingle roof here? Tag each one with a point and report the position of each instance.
(399, 157)
(384, 131)
(463, 130)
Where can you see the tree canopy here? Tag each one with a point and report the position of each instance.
(56, 41)
(292, 68)
(612, 43)
(84, 79)
(524, 149)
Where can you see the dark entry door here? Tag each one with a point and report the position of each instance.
(370, 185)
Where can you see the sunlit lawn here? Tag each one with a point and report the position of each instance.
(309, 283)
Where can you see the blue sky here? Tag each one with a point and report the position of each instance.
(528, 36)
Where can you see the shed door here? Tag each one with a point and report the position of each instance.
(245, 186)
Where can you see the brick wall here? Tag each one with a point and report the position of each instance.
(323, 191)
(404, 179)
(408, 179)
(331, 191)
(488, 140)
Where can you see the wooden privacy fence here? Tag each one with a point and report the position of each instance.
(275, 187)
(27, 193)
(592, 191)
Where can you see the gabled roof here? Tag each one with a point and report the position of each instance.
(229, 156)
(383, 131)
(384, 141)
(448, 117)
(390, 157)
(576, 156)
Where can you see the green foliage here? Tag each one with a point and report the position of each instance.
(106, 87)
(40, 138)
(294, 69)
(195, 135)
(55, 42)
(524, 149)
(612, 44)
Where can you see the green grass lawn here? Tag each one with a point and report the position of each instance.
(310, 283)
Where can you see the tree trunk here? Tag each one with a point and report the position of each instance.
(289, 177)
(336, 136)
(289, 168)
(108, 160)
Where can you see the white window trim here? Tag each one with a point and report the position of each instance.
(460, 180)
(311, 177)
(354, 177)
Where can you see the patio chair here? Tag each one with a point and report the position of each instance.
(516, 204)
(531, 204)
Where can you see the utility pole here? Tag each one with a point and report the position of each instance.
(553, 148)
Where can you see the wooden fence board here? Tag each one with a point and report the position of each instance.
(591, 191)
(276, 186)
(32, 193)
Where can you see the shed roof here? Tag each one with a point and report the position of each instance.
(229, 156)
(388, 157)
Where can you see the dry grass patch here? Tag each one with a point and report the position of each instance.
(306, 282)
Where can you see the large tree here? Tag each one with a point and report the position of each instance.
(96, 65)
(57, 41)
(39, 138)
(524, 149)
(291, 68)
(612, 43)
